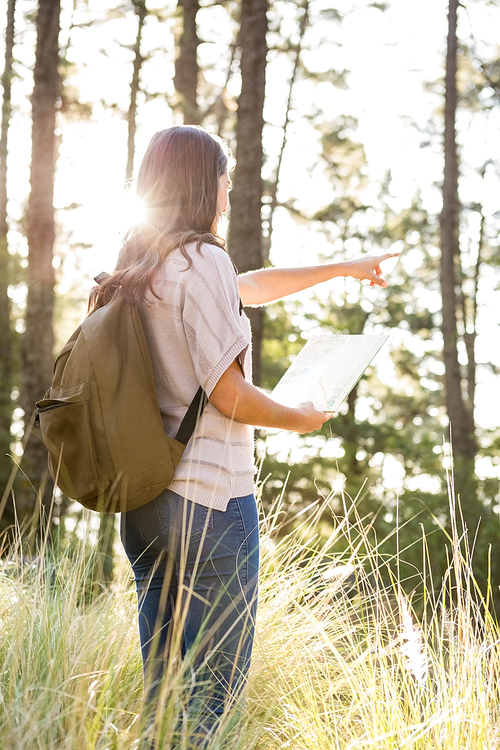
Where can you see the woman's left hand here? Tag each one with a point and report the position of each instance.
(369, 268)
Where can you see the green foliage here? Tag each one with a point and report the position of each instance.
(396, 419)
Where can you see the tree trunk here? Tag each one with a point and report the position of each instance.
(103, 571)
(220, 106)
(275, 184)
(141, 12)
(461, 418)
(37, 341)
(245, 240)
(470, 324)
(6, 333)
(350, 432)
(186, 65)
(104, 562)
(478, 521)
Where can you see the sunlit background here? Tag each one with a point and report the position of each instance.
(393, 89)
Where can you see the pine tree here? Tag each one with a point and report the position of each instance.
(480, 525)
(6, 333)
(186, 64)
(459, 409)
(37, 341)
(141, 13)
(245, 242)
(104, 560)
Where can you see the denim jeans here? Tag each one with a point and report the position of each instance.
(196, 572)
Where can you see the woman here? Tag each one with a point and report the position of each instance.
(194, 549)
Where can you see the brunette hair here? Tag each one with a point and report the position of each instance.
(177, 184)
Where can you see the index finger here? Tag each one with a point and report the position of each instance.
(388, 255)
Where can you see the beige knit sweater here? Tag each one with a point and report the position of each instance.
(194, 332)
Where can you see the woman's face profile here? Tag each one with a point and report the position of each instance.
(223, 192)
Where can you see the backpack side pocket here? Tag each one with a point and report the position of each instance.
(64, 419)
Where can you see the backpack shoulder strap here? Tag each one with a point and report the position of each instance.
(200, 399)
(192, 416)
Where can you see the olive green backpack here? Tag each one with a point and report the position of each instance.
(100, 419)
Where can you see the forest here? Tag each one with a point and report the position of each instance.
(351, 134)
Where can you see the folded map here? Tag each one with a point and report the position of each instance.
(326, 369)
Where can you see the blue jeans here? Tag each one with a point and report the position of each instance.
(196, 572)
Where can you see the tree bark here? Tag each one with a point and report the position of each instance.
(6, 333)
(186, 64)
(103, 571)
(275, 184)
(141, 13)
(38, 339)
(350, 443)
(470, 334)
(478, 521)
(461, 417)
(245, 241)
(104, 562)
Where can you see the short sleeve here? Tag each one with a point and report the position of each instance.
(211, 315)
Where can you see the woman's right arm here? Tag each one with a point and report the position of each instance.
(238, 399)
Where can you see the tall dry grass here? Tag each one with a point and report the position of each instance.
(340, 659)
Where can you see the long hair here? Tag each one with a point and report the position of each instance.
(177, 184)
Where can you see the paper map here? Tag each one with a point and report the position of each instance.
(327, 369)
